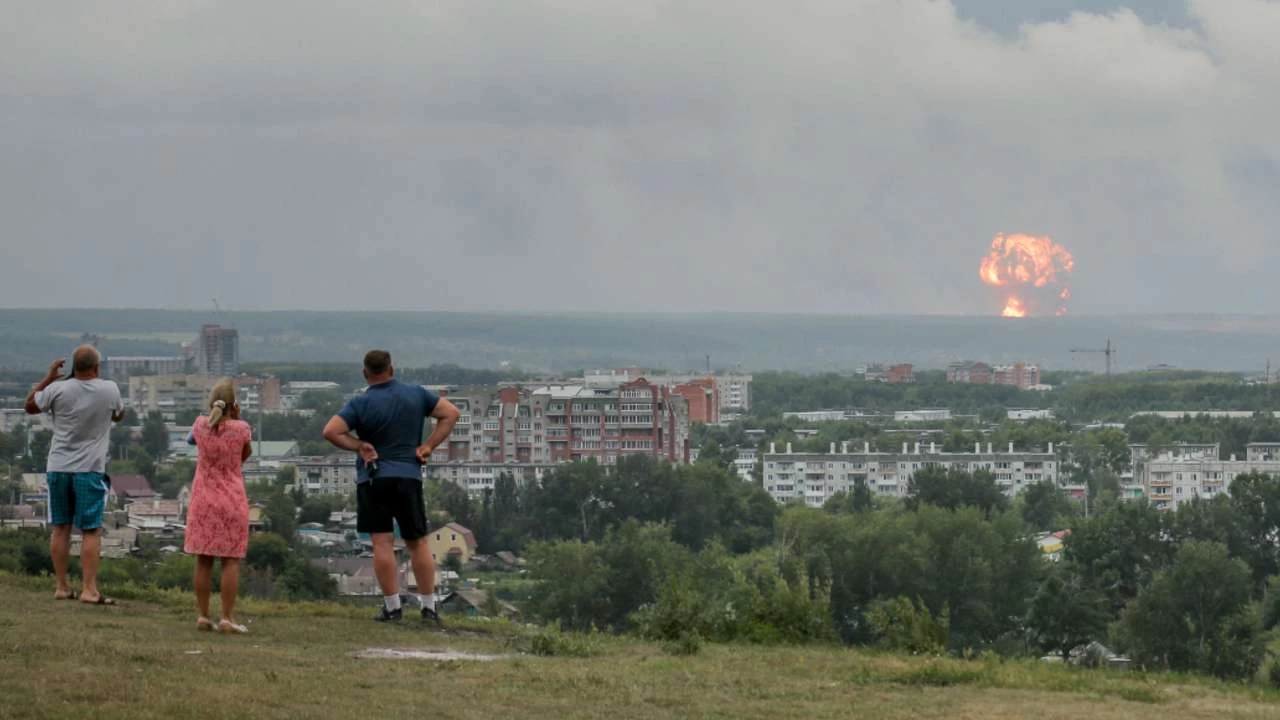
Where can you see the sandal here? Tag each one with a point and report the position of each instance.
(69, 596)
(102, 600)
(229, 628)
(204, 624)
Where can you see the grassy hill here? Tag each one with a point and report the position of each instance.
(145, 660)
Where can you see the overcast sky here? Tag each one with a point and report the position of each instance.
(848, 156)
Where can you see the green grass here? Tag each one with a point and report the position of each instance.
(145, 660)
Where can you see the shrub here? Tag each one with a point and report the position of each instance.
(551, 642)
(688, 644)
(910, 627)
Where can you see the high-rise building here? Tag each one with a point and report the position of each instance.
(219, 352)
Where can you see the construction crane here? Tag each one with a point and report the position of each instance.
(1108, 351)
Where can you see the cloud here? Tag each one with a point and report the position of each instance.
(572, 155)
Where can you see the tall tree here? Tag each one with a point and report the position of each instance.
(1118, 551)
(1256, 498)
(155, 435)
(1042, 504)
(1065, 613)
(1196, 616)
(281, 514)
(953, 489)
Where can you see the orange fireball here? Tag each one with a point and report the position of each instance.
(1032, 271)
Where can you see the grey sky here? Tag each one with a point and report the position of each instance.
(828, 156)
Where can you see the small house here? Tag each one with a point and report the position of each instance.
(452, 540)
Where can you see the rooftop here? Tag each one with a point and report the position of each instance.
(154, 508)
(131, 486)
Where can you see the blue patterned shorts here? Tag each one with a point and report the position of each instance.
(78, 499)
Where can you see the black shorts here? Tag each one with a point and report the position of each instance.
(383, 500)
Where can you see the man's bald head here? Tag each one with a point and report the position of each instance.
(85, 360)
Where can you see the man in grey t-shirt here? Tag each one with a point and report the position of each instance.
(83, 408)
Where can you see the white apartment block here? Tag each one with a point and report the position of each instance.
(332, 475)
(735, 392)
(477, 478)
(745, 464)
(1169, 481)
(814, 477)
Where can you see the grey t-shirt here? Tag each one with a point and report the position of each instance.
(81, 411)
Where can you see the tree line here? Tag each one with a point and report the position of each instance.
(952, 567)
(1077, 398)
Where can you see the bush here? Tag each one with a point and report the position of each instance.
(304, 581)
(1273, 674)
(743, 598)
(688, 644)
(551, 642)
(910, 627)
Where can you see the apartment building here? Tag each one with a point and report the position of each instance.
(477, 478)
(735, 392)
(745, 463)
(1140, 453)
(814, 477)
(968, 372)
(120, 368)
(1019, 375)
(703, 397)
(291, 393)
(259, 393)
(1262, 452)
(219, 351)
(172, 393)
(731, 392)
(562, 423)
(1171, 480)
(331, 475)
(900, 373)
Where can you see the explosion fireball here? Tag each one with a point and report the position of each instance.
(1032, 272)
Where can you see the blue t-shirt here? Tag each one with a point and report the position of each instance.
(390, 416)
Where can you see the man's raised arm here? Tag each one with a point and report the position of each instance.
(31, 406)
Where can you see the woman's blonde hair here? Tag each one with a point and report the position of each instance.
(221, 399)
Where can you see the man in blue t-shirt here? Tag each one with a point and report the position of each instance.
(388, 420)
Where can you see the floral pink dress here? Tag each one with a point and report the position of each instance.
(218, 517)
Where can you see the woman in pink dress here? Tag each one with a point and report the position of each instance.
(218, 516)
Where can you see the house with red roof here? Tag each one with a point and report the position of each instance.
(128, 488)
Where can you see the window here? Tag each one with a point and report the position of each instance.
(453, 537)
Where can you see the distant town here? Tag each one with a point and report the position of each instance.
(525, 428)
